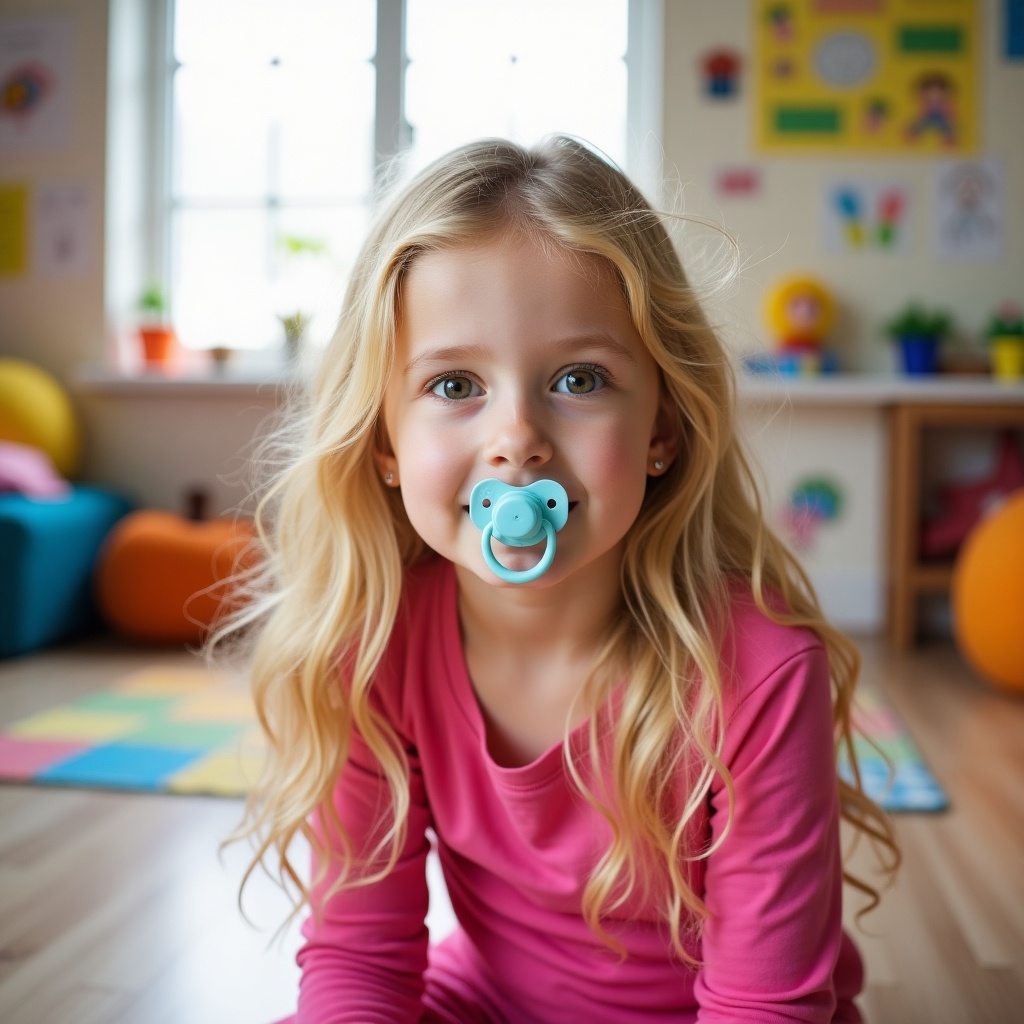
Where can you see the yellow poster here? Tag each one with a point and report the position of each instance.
(13, 230)
(869, 76)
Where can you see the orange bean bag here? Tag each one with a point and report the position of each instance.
(156, 571)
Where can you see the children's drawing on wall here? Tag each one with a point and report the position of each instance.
(813, 503)
(778, 17)
(62, 240)
(35, 71)
(720, 70)
(14, 219)
(968, 203)
(1013, 29)
(865, 75)
(875, 114)
(935, 112)
(866, 215)
(737, 181)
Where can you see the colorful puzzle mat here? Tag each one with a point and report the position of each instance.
(160, 729)
(906, 784)
(191, 730)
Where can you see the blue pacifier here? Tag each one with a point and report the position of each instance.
(519, 517)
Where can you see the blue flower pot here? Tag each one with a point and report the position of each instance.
(920, 354)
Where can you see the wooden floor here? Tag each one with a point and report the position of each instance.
(115, 909)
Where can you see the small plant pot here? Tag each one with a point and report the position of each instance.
(157, 345)
(1007, 352)
(919, 354)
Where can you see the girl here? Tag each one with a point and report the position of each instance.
(629, 763)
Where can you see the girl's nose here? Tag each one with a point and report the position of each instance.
(517, 439)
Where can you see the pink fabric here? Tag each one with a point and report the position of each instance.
(516, 845)
(29, 471)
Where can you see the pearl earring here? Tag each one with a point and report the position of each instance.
(659, 465)
(389, 479)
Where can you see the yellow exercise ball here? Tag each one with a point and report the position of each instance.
(35, 410)
(988, 596)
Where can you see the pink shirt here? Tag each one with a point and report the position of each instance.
(517, 844)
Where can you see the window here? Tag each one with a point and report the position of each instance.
(272, 123)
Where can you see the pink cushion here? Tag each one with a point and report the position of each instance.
(29, 471)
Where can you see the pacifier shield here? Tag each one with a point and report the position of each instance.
(519, 517)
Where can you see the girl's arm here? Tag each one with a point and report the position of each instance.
(774, 889)
(364, 959)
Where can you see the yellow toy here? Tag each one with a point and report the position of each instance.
(35, 410)
(800, 312)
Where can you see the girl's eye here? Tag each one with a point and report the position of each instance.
(580, 381)
(454, 388)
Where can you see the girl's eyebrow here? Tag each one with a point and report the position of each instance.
(454, 354)
(462, 354)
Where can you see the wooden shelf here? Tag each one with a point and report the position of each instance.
(909, 577)
(926, 576)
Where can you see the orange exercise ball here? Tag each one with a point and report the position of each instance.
(988, 596)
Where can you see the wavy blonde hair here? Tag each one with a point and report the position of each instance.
(337, 544)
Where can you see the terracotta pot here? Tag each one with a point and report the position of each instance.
(157, 345)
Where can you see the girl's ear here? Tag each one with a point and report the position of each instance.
(383, 454)
(666, 437)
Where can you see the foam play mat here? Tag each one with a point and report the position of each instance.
(192, 730)
(160, 729)
(906, 785)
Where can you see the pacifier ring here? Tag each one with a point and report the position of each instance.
(519, 517)
(526, 575)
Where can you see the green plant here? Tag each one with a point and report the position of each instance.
(294, 323)
(916, 321)
(1008, 322)
(295, 245)
(153, 303)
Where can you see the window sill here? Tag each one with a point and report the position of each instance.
(96, 379)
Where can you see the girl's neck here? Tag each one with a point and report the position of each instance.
(529, 651)
(568, 619)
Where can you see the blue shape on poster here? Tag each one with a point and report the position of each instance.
(1014, 15)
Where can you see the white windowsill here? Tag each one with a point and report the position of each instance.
(207, 382)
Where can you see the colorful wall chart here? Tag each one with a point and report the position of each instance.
(872, 76)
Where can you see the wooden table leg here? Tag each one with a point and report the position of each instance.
(904, 487)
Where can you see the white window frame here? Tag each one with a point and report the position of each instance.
(138, 207)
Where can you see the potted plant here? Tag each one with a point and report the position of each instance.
(155, 332)
(918, 332)
(304, 265)
(1006, 342)
(294, 328)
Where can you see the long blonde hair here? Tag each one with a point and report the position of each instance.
(337, 543)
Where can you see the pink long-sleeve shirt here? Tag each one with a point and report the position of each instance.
(517, 845)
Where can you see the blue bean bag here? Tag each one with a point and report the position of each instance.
(48, 553)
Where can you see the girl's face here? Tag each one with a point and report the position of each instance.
(519, 362)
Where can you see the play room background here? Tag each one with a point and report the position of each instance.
(802, 128)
